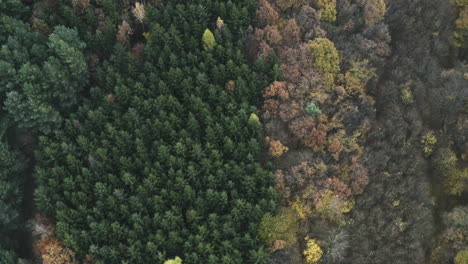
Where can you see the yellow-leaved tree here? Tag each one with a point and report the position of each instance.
(209, 41)
(313, 252)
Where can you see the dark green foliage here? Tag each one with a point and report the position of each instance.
(11, 179)
(41, 79)
(162, 161)
(7, 257)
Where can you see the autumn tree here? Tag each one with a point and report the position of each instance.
(175, 260)
(317, 138)
(266, 14)
(208, 39)
(277, 89)
(139, 11)
(291, 33)
(313, 252)
(52, 251)
(286, 4)
(374, 11)
(328, 9)
(124, 33)
(326, 58)
(276, 147)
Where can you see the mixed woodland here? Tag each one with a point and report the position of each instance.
(240, 131)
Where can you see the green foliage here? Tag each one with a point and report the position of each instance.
(312, 110)
(8, 257)
(209, 41)
(161, 160)
(41, 79)
(11, 179)
(282, 226)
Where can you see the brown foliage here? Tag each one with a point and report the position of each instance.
(272, 35)
(80, 4)
(291, 33)
(374, 11)
(266, 14)
(137, 52)
(280, 184)
(264, 51)
(359, 178)
(277, 89)
(270, 108)
(309, 22)
(317, 139)
(124, 32)
(302, 127)
(231, 86)
(285, 4)
(335, 147)
(289, 110)
(339, 187)
(44, 226)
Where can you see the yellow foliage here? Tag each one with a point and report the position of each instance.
(456, 181)
(326, 58)
(254, 120)
(328, 9)
(332, 207)
(313, 253)
(209, 41)
(175, 260)
(301, 210)
(139, 12)
(428, 142)
(462, 257)
(220, 23)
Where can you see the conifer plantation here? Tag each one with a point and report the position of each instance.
(235, 132)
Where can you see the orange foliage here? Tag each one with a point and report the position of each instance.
(317, 139)
(279, 244)
(277, 89)
(276, 147)
(52, 251)
(338, 187)
(270, 108)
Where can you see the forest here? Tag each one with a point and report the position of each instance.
(233, 131)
